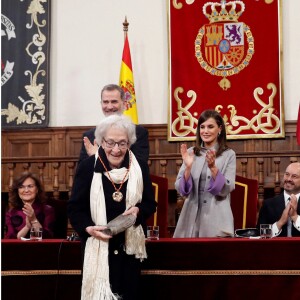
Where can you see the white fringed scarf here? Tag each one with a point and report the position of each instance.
(95, 281)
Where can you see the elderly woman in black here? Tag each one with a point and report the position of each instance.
(110, 183)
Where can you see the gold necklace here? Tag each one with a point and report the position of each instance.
(117, 195)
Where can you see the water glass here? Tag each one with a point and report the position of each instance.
(36, 233)
(152, 233)
(265, 231)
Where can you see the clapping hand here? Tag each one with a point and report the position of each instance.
(187, 157)
(210, 158)
(29, 212)
(290, 211)
(293, 208)
(90, 148)
(284, 217)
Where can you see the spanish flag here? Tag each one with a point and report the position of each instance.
(127, 83)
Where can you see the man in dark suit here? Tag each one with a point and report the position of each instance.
(113, 102)
(283, 211)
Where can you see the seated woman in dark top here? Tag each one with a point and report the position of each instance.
(28, 209)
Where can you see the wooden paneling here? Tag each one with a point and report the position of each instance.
(53, 153)
(164, 155)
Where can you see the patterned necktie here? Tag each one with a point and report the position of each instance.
(289, 225)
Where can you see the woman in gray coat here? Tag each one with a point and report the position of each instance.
(206, 178)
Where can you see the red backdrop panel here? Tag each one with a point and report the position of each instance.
(230, 63)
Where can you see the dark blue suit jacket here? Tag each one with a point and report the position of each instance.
(271, 212)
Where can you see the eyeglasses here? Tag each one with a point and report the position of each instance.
(111, 144)
(24, 187)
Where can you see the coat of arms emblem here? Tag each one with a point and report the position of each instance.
(225, 46)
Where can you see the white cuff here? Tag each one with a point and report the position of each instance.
(297, 224)
(275, 230)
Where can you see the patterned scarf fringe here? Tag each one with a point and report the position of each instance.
(104, 293)
(95, 282)
(135, 242)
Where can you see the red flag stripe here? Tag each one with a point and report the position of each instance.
(126, 54)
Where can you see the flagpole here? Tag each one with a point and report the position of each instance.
(125, 27)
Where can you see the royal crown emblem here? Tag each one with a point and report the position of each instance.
(221, 12)
(225, 46)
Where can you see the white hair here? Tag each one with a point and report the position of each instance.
(115, 121)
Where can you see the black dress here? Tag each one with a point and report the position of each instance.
(124, 269)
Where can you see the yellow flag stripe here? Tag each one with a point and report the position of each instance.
(127, 83)
(125, 73)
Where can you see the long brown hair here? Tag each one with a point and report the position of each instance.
(15, 201)
(207, 114)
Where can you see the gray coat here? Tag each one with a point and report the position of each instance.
(216, 217)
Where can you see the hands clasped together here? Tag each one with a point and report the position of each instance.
(290, 211)
(30, 215)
